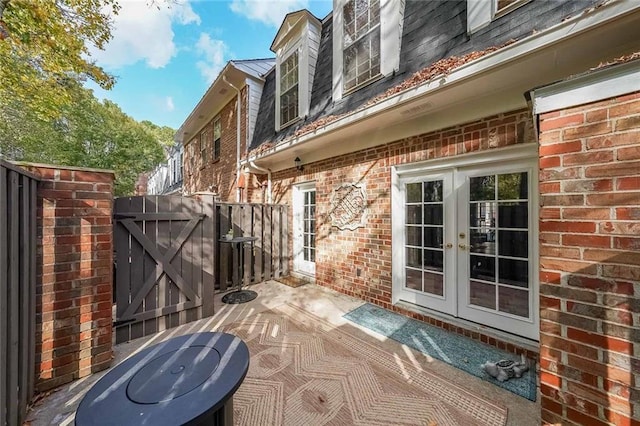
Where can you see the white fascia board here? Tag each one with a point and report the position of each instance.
(474, 69)
(598, 85)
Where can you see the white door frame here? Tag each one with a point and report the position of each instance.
(405, 173)
(300, 265)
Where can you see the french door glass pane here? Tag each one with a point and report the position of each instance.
(414, 235)
(513, 301)
(432, 237)
(424, 237)
(433, 191)
(513, 215)
(414, 214)
(513, 186)
(513, 272)
(433, 283)
(482, 294)
(483, 267)
(433, 214)
(514, 243)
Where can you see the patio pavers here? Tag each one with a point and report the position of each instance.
(59, 407)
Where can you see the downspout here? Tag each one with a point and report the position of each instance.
(224, 78)
(268, 171)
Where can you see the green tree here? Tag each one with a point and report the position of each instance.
(87, 133)
(163, 134)
(44, 49)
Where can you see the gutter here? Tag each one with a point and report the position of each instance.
(252, 165)
(239, 110)
(545, 39)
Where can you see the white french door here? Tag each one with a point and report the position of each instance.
(468, 243)
(304, 228)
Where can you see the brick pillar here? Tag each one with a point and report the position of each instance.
(75, 274)
(590, 263)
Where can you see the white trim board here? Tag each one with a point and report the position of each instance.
(592, 87)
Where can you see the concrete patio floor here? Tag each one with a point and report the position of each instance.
(59, 407)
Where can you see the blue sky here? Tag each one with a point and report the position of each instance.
(166, 53)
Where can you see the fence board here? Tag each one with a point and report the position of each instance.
(4, 293)
(277, 241)
(208, 264)
(136, 329)
(123, 265)
(258, 251)
(268, 243)
(247, 257)
(223, 249)
(150, 325)
(14, 299)
(163, 239)
(33, 220)
(24, 293)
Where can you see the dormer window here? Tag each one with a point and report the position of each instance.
(366, 42)
(296, 48)
(361, 42)
(480, 13)
(289, 89)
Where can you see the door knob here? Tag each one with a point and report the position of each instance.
(449, 245)
(464, 247)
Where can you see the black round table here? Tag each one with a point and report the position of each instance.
(189, 379)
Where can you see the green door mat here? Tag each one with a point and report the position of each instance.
(454, 349)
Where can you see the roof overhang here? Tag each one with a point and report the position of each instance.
(607, 82)
(215, 98)
(490, 85)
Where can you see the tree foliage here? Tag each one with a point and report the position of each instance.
(44, 48)
(46, 115)
(89, 133)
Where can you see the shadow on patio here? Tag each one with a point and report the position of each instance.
(357, 375)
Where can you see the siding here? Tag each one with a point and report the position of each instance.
(431, 31)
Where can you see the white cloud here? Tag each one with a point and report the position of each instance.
(169, 104)
(143, 32)
(268, 12)
(213, 52)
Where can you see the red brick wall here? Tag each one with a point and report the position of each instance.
(340, 253)
(219, 175)
(590, 263)
(75, 274)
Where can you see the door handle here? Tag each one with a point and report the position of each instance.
(464, 247)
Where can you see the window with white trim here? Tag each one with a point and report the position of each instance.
(361, 42)
(192, 156)
(289, 89)
(217, 135)
(480, 13)
(204, 139)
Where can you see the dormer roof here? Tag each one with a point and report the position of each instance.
(291, 25)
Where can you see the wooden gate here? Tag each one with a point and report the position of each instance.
(165, 257)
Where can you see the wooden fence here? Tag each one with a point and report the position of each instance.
(269, 258)
(17, 291)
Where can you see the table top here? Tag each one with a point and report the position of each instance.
(175, 382)
(239, 240)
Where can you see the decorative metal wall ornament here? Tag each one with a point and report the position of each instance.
(348, 206)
